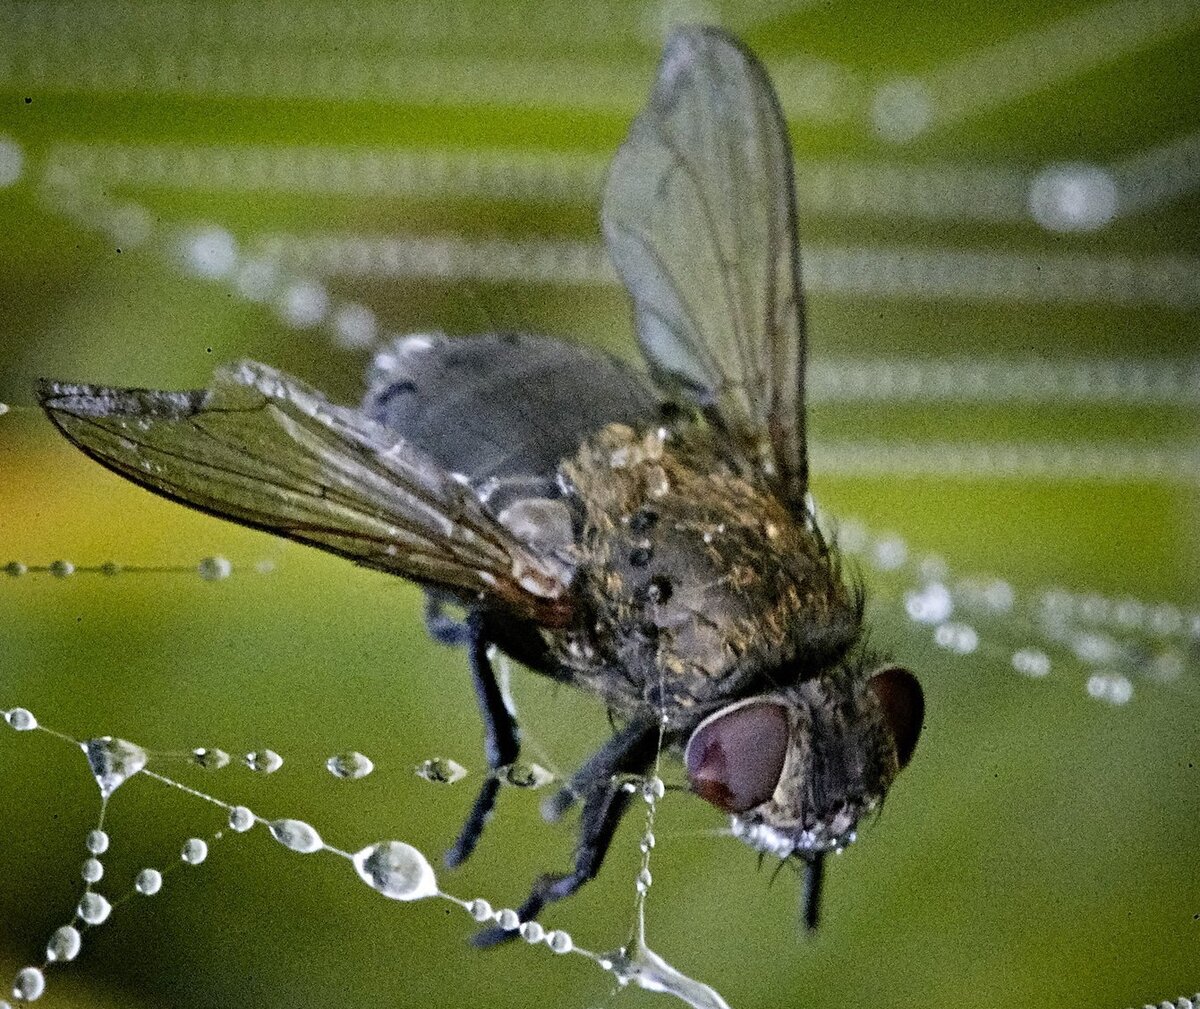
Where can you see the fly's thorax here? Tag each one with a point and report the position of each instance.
(698, 580)
(798, 768)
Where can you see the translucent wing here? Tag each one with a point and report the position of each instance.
(700, 220)
(265, 450)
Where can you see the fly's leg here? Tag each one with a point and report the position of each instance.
(602, 812)
(445, 630)
(501, 739)
(810, 894)
(627, 746)
(630, 751)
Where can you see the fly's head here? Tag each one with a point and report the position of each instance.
(797, 768)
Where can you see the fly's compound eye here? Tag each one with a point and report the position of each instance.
(903, 706)
(735, 757)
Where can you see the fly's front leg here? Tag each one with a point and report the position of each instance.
(606, 800)
(500, 737)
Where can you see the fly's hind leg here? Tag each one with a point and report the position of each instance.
(501, 737)
(630, 751)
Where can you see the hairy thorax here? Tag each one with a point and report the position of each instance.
(700, 586)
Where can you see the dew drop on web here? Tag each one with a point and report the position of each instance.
(97, 842)
(241, 819)
(396, 870)
(350, 765)
(522, 775)
(441, 770)
(194, 851)
(21, 719)
(92, 871)
(29, 984)
(263, 761)
(64, 944)
(210, 759)
(296, 835)
(148, 882)
(113, 762)
(94, 908)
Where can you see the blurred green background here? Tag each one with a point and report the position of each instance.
(1005, 186)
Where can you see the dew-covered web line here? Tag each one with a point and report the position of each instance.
(393, 868)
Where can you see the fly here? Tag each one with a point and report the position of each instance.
(648, 540)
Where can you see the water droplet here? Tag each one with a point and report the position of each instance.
(929, 605)
(241, 819)
(94, 908)
(559, 942)
(507, 919)
(653, 789)
(21, 719)
(110, 569)
(210, 759)
(29, 984)
(113, 761)
(644, 880)
(442, 770)
(890, 553)
(214, 569)
(351, 765)
(479, 909)
(14, 569)
(1031, 662)
(263, 761)
(296, 835)
(64, 943)
(524, 775)
(961, 639)
(1110, 687)
(397, 870)
(62, 569)
(532, 932)
(92, 871)
(647, 842)
(194, 850)
(148, 882)
(649, 971)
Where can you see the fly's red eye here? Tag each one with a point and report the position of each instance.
(735, 759)
(903, 704)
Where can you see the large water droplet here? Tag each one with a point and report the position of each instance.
(64, 943)
(194, 851)
(480, 909)
(397, 870)
(263, 761)
(97, 842)
(351, 765)
(210, 759)
(296, 835)
(526, 775)
(29, 984)
(532, 932)
(21, 719)
(442, 770)
(559, 942)
(241, 819)
(508, 919)
(648, 970)
(148, 882)
(94, 908)
(113, 761)
(93, 870)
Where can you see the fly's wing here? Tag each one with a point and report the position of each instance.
(265, 450)
(700, 220)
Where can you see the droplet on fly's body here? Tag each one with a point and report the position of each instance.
(351, 765)
(210, 759)
(296, 835)
(523, 775)
(94, 908)
(263, 761)
(21, 719)
(97, 842)
(441, 770)
(113, 762)
(241, 819)
(92, 871)
(29, 984)
(396, 870)
(148, 882)
(64, 944)
(194, 851)
(214, 569)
